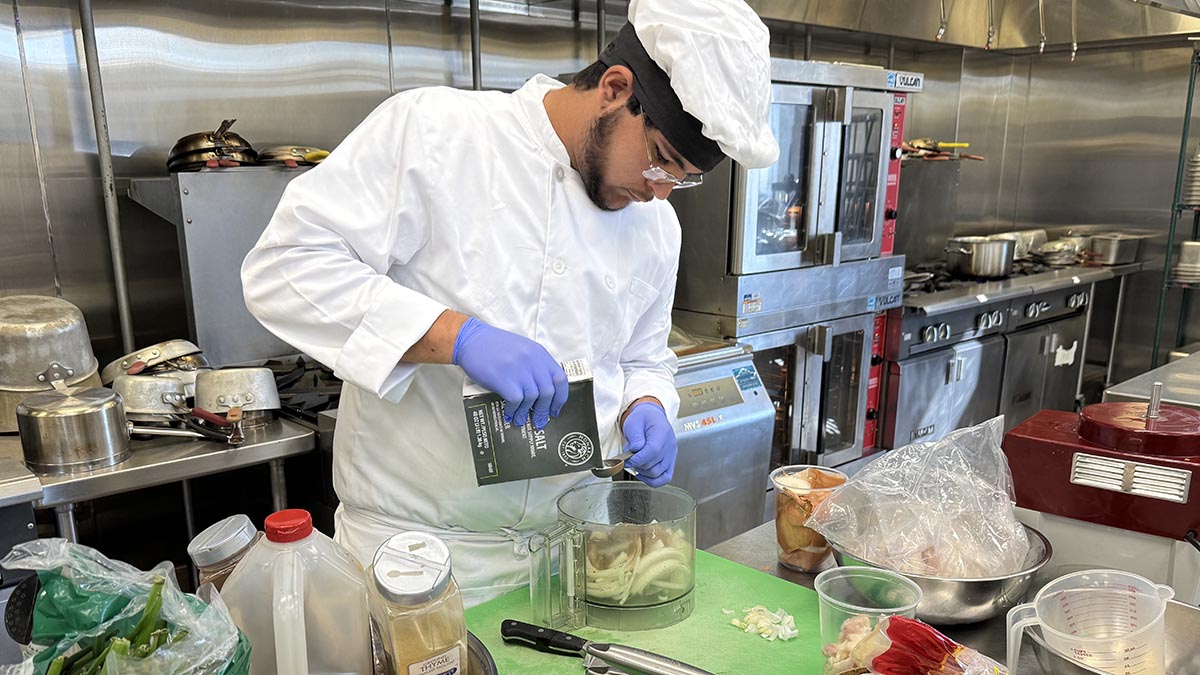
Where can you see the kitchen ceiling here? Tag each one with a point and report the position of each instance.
(1015, 23)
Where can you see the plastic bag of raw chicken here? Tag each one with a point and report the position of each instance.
(903, 646)
(942, 509)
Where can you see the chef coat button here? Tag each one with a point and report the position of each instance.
(610, 282)
(558, 267)
(559, 173)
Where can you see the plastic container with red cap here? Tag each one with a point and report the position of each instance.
(291, 587)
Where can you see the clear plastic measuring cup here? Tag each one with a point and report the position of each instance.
(1105, 619)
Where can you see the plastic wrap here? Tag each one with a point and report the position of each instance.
(83, 594)
(942, 509)
(903, 646)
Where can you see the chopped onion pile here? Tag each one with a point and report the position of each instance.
(777, 625)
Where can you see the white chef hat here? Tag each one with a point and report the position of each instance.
(702, 71)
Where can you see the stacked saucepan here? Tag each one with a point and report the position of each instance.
(211, 149)
(224, 148)
(167, 389)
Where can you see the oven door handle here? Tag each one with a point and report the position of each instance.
(955, 369)
(1050, 343)
(837, 104)
(820, 341)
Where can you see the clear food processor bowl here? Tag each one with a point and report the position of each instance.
(622, 556)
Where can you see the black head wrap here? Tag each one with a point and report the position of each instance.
(653, 89)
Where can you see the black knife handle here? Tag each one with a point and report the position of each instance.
(542, 639)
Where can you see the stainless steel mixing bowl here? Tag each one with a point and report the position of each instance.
(953, 601)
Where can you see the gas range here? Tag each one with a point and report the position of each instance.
(939, 310)
(306, 388)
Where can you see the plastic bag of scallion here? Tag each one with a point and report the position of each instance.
(96, 616)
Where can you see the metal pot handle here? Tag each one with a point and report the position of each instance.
(131, 429)
(960, 251)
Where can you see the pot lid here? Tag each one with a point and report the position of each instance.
(148, 356)
(59, 404)
(1124, 426)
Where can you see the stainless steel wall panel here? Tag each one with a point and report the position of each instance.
(1101, 138)
(430, 46)
(57, 86)
(933, 113)
(991, 94)
(25, 257)
(514, 51)
(928, 213)
(1014, 140)
(303, 72)
(295, 72)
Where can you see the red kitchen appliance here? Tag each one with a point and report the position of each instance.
(892, 195)
(1115, 485)
(888, 237)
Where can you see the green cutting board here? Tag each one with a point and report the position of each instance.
(705, 639)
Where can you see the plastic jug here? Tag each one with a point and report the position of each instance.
(1105, 619)
(302, 601)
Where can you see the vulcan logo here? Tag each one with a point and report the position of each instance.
(923, 432)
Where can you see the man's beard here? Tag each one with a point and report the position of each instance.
(594, 166)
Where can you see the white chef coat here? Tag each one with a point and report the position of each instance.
(444, 198)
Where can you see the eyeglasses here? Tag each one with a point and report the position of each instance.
(657, 174)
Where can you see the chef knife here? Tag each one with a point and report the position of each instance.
(629, 659)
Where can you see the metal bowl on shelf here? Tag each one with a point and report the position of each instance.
(1182, 626)
(43, 341)
(155, 358)
(151, 399)
(953, 601)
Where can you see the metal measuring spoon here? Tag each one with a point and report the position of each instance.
(612, 466)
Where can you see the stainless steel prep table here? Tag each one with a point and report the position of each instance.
(1180, 379)
(757, 549)
(167, 460)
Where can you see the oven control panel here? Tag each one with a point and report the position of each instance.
(1051, 305)
(916, 333)
(705, 397)
(892, 194)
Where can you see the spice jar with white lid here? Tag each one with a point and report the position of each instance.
(218, 549)
(416, 604)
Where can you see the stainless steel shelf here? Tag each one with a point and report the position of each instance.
(168, 460)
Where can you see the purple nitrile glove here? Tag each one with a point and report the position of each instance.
(649, 436)
(517, 368)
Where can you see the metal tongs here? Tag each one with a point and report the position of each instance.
(600, 658)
